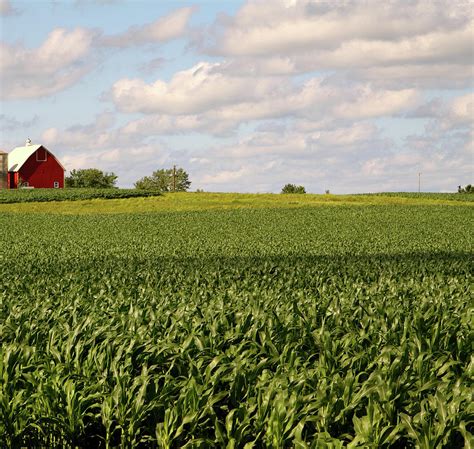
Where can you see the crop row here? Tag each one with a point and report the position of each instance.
(465, 197)
(44, 195)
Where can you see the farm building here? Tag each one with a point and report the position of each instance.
(31, 166)
(3, 170)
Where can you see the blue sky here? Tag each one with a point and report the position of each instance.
(246, 95)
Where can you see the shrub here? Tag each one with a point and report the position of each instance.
(468, 189)
(165, 180)
(293, 188)
(90, 178)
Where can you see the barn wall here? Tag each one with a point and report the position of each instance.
(42, 174)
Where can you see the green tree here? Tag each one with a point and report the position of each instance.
(90, 177)
(165, 180)
(468, 189)
(293, 188)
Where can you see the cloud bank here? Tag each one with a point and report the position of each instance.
(347, 96)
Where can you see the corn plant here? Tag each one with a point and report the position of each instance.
(328, 327)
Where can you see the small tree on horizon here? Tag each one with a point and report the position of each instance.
(468, 189)
(90, 177)
(293, 188)
(164, 181)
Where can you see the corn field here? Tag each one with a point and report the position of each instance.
(323, 327)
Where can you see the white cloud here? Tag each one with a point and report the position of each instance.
(421, 76)
(325, 155)
(294, 141)
(462, 109)
(354, 134)
(292, 96)
(455, 114)
(163, 29)
(377, 103)
(66, 56)
(251, 67)
(166, 124)
(225, 176)
(280, 27)
(449, 47)
(195, 90)
(341, 155)
(60, 61)
(402, 39)
(97, 135)
(208, 99)
(102, 145)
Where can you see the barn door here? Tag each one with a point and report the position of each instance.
(12, 179)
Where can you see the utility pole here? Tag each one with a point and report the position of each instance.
(419, 182)
(174, 178)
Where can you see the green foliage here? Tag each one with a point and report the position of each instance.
(344, 326)
(293, 188)
(45, 195)
(468, 189)
(90, 178)
(165, 180)
(420, 196)
(203, 200)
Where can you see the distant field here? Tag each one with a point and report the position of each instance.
(257, 324)
(47, 195)
(206, 201)
(427, 196)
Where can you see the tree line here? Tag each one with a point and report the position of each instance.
(166, 180)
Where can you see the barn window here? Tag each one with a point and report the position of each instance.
(41, 155)
(56, 184)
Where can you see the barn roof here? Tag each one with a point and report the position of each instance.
(21, 154)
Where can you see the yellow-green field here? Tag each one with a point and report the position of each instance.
(207, 201)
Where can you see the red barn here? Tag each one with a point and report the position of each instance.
(34, 166)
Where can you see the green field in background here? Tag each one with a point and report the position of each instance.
(206, 201)
(237, 326)
(47, 195)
